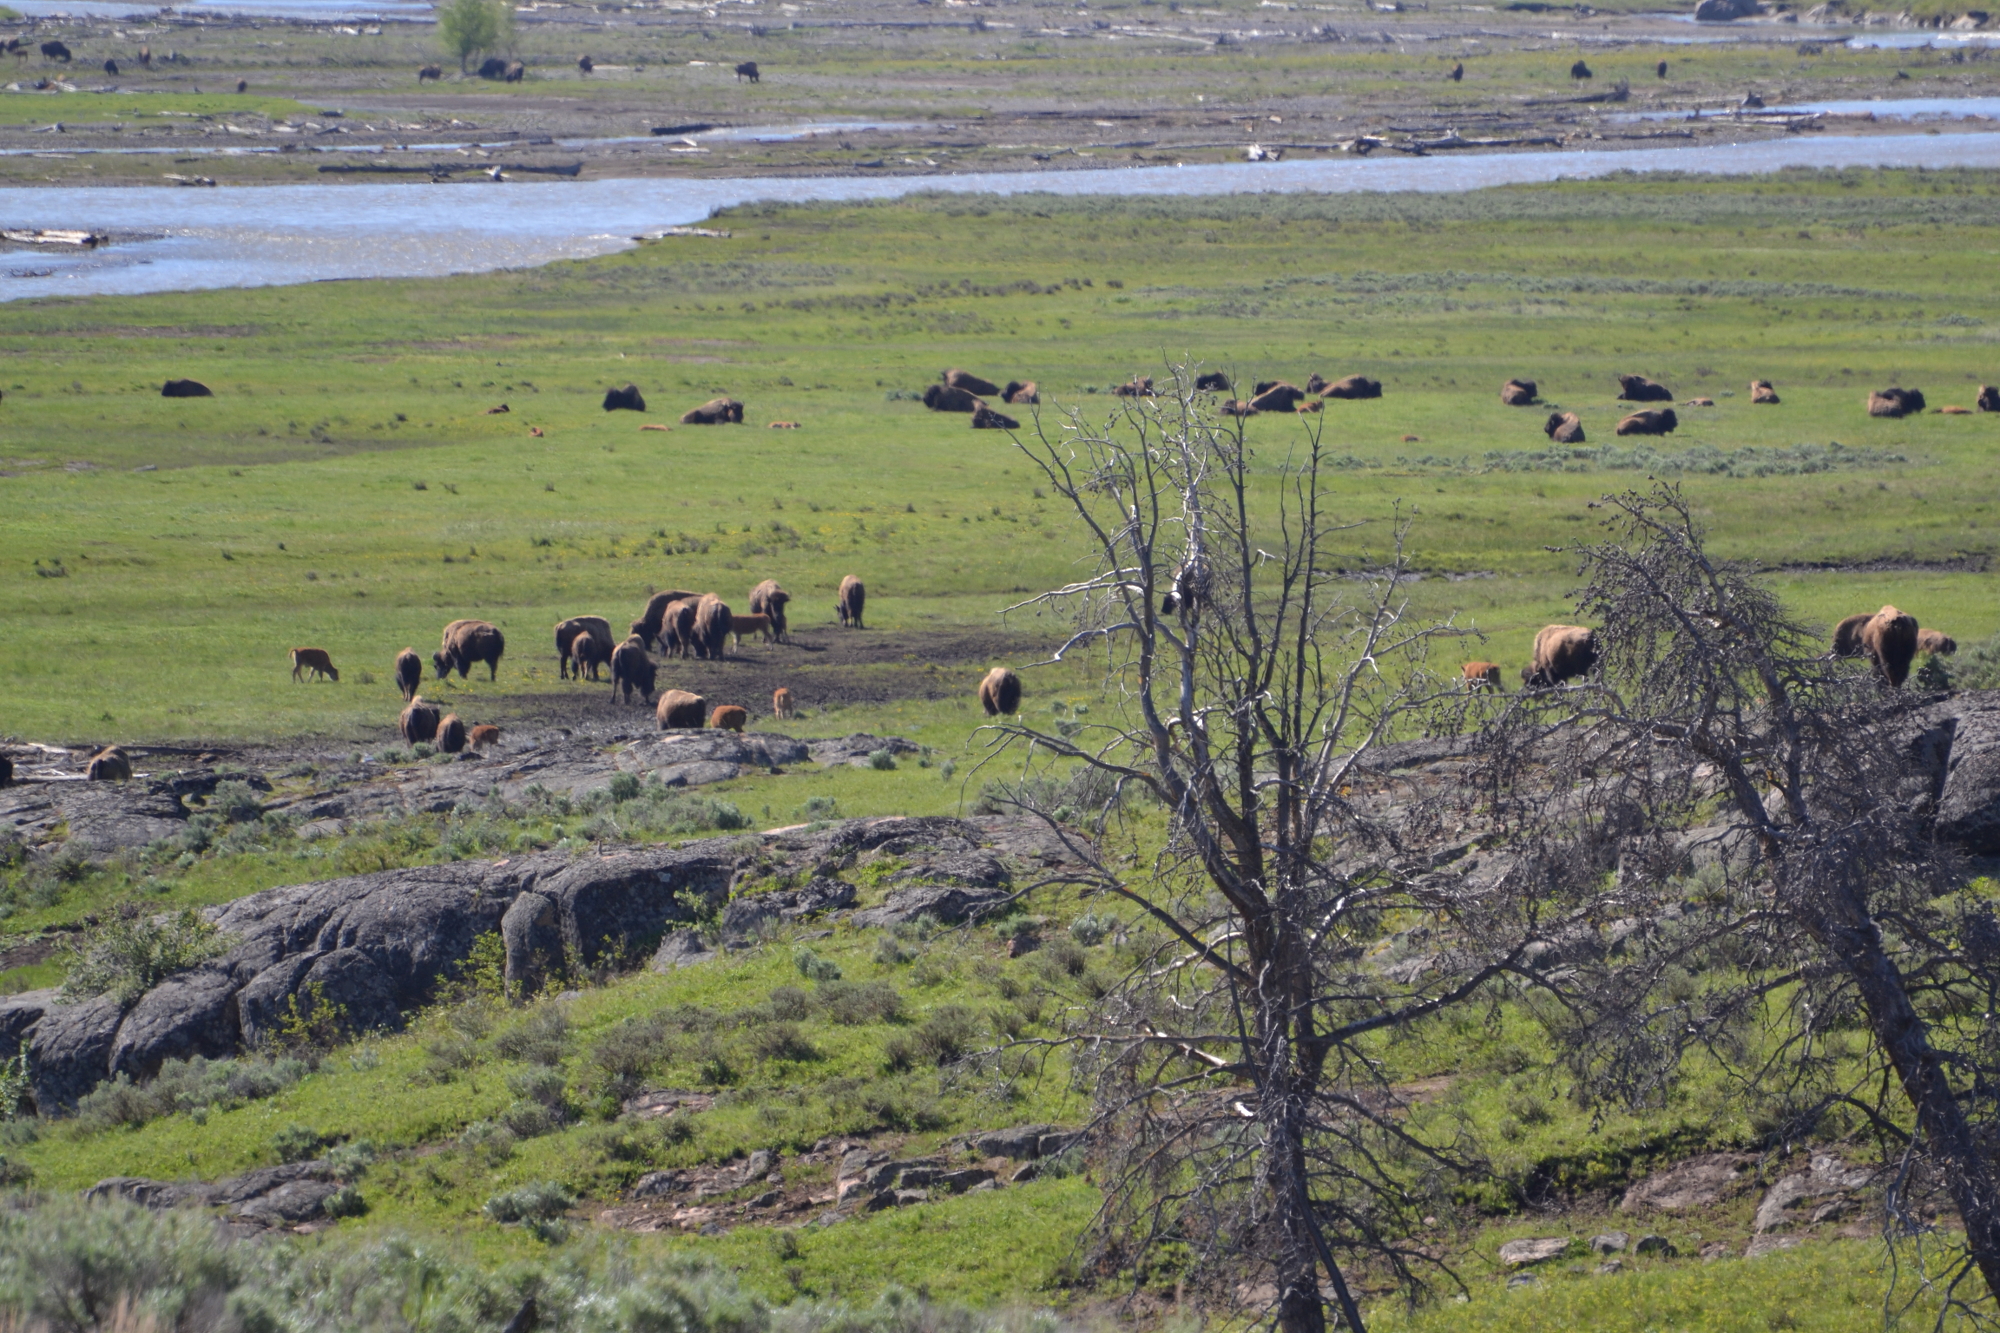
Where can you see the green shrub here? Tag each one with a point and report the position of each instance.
(345, 1202)
(237, 802)
(542, 1038)
(125, 959)
(813, 967)
(542, 1201)
(784, 1041)
(298, 1143)
(882, 761)
(1091, 929)
(350, 1161)
(855, 1003)
(191, 1085)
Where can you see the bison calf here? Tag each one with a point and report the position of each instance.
(109, 765)
(1000, 692)
(484, 736)
(314, 660)
(451, 733)
(680, 711)
(760, 625)
(781, 703)
(1481, 675)
(729, 717)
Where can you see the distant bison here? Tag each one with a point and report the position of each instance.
(1315, 383)
(1136, 387)
(768, 599)
(1563, 428)
(1639, 389)
(1022, 393)
(427, 73)
(1895, 403)
(492, 67)
(587, 654)
(1661, 69)
(243, 85)
(714, 412)
(590, 627)
(418, 721)
(753, 622)
(586, 64)
(850, 601)
(55, 51)
(711, 626)
(1762, 392)
(656, 611)
(1213, 382)
(1354, 386)
(6, 771)
(677, 627)
(1277, 397)
(409, 673)
(466, 642)
(1988, 400)
(1936, 642)
(514, 73)
(945, 398)
(111, 68)
(748, 70)
(781, 703)
(1518, 393)
(185, 389)
(1847, 635)
(1579, 70)
(1000, 692)
(1652, 421)
(971, 383)
(627, 399)
(632, 670)
(483, 737)
(729, 717)
(109, 765)
(314, 660)
(1457, 74)
(1562, 652)
(1890, 639)
(985, 418)
(1481, 675)
(451, 733)
(1236, 407)
(679, 710)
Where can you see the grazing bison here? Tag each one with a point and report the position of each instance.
(1936, 643)
(409, 673)
(729, 717)
(971, 383)
(781, 703)
(1563, 428)
(656, 612)
(1457, 74)
(1988, 400)
(1021, 393)
(586, 64)
(677, 627)
(748, 70)
(945, 398)
(1481, 675)
(109, 765)
(714, 412)
(711, 626)
(1895, 403)
(492, 67)
(1890, 640)
(1762, 392)
(1213, 382)
(768, 599)
(428, 73)
(1562, 652)
(1354, 386)
(1847, 635)
(632, 669)
(185, 389)
(1278, 398)
(451, 733)
(850, 601)
(1652, 421)
(55, 51)
(587, 654)
(1000, 692)
(1661, 69)
(1639, 389)
(596, 628)
(678, 710)
(418, 721)
(1136, 387)
(627, 399)
(314, 660)
(1518, 393)
(483, 737)
(985, 418)
(1579, 70)
(111, 68)
(753, 623)
(466, 642)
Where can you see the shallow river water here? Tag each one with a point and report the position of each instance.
(170, 239)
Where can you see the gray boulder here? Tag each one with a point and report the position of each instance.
(939, 902)
(70, 1051)
(1695, 1183)
(678, 948)
(191, 1014)
(821, 895)
(855, 749)
(1968, 799)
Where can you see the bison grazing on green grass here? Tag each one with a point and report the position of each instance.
(467, 642)
(850, 601)
(1562, 652)
(595, 628)
(1000, 692)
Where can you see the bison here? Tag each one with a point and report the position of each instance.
(1890, 641)
(1354, 386)
(1562, 652)
(748, 70)
(314, 660)
(466, 642)
(596, 628)
(6, 771)
(1652, 421)
(1661, 69)
(753, 623)
(1000, 692)
(849, 602)
(781, 703)
(632, 669)
(1639, 389)
(427, 73)
(418, 721)
(729, 717)
(677, 629)
(714, 412)
(55, 51)
(1762, 392)
(587, 654)
(1988, 400)
(111, 68)
(1481, 675)
(409, 673)
(451, 733)
(1518, 393)
(1579, 70)
(1895, 403)
(109, 765)
(1213, 382)
(585, 64)
(514, 73)
(1137, 387)
(678, 710)
(1457, 74)
(627, 399)
(1847, 635)
(946, 398)
(483, 737)
(985, 418)
(492, 67)
(768, 599)
(1563, 428)
(185, 389)
(711, 626)
(971, 383)
(1023, 393)
(1277, 397)
(1236, 407)
(242, 86)
(656, 611)
(1936, 643)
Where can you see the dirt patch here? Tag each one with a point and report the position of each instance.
(1977, 563)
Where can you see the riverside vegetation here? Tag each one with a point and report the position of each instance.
(362, 507)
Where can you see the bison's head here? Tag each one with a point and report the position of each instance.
(442, 662)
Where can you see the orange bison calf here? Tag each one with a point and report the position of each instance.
(484, 736)
(1482, 675)
(781, 703)
(740, 625)
(729, 717)
(314, 660)
(1000, 692)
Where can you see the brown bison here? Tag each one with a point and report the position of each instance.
(1579, 70)
(1457, 74)
(483, 737)
(1278, 397)
(946, 398)
(590, 627)
(711, 626)
(451, 733)
(1895, 403)
(632, 669)
(243, 85)
(1354, 386)
(1639, 389)
(850, 601)
(1890, 640)
(1518, 393)
(185, 389)
(418, 721)
(1563, 428)
(781, 703)
(655, 613)
(1481, 675)
(1762, 392)
(1661, 69)
(627, 399)
(55, 51)
(1936, 643)
(677, 630)
(678, 710)
(428, 72)
(409, 673)
(753, 623)
(1651, 421)
(1847, 635)
(492, 67)
(314, 660)
(1213, 382)
(729, 717)
(1000, 692)
(1315, 383)
(1139, 386)
(585, 64)
(714, 412)
(748, 70)
(6, 771)
(514, 72)
(1988, 400)
(971, 383)
(466, 642)
(1025, 393)
(1562, 652)
(1236, 407)
(768, 599)
(985, 418)
(109, 765)
(587, 654)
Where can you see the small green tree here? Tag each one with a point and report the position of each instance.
(467, 26)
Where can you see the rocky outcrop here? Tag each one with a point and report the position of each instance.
(1695, 1183)
(271, 1196)
(1726, 11)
